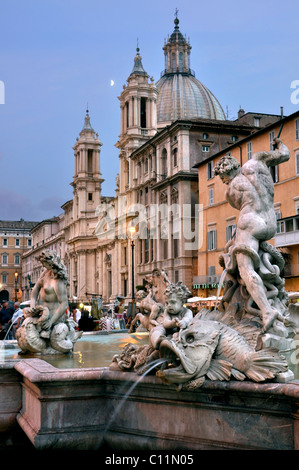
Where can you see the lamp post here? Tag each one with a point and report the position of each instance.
(16, 285)
(132, 231)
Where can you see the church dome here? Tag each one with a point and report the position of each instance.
(181, 95)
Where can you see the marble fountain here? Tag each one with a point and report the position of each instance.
(222, 379)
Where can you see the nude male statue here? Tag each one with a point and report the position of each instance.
(250, 189)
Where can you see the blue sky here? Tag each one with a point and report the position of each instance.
(58, 55)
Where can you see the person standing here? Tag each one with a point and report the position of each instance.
(14, 320)
(76, 314)
(6, 314)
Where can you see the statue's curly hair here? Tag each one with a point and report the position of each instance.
(57, 267)
(225, 165)
(179, 289)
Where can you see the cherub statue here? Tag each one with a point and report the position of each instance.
(175, 316)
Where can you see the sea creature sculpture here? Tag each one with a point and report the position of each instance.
(33, 338)
(213, 349)
(134, 358)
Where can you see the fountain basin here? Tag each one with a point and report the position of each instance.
(74, 408)
(71, 408)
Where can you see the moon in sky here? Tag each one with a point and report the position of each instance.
(111, 82)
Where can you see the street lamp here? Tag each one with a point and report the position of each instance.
(132, 231)
(16, 286)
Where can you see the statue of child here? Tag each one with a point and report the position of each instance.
(175, 316)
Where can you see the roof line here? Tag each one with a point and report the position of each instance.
(249, 137)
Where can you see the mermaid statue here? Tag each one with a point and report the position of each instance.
(46, 328)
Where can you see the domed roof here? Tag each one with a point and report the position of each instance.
(181, 95)
(184, 97)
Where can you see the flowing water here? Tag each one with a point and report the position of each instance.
(151, 366)
(221, 281)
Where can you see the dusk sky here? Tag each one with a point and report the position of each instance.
(58, 55)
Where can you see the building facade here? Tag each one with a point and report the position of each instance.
(15, 239)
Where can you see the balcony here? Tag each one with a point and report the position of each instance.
(287, 231)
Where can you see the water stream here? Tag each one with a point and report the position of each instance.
(221, 281)
(151, 366)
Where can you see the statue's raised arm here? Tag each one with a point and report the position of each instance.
(274, 157)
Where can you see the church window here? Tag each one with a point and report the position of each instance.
(175, 157)
(90, 196)
(205, 148)
(89, 161)
(146, 249)
(127, 114)
(165, 248)
(181, 61)
(164, 164)
(143, 113)
(175, 248)
(173, 61)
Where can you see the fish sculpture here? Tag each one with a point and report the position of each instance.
(210, 348)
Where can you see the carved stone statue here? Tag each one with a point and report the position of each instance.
(46, 329)
(248, 257)
(215, 347)
(231, 343)
(175, 316)
(152, 302)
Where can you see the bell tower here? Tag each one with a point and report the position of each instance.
(138, 117)
(87, 179)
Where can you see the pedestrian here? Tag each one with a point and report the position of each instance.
(6, 314)
(16, 316)
(76, 314)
